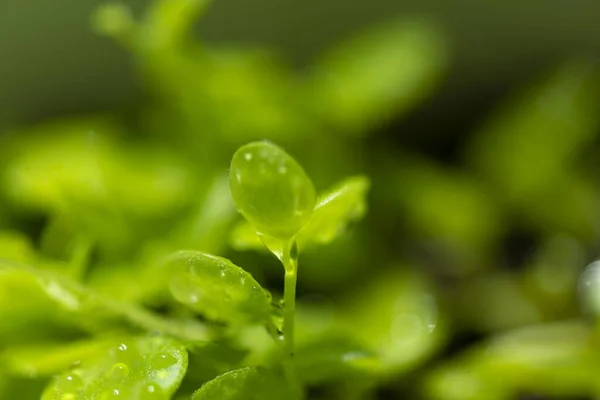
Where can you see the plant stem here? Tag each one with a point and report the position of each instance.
(290, 263)
(289, 311)
(289, 260)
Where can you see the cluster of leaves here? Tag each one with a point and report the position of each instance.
(99, 300)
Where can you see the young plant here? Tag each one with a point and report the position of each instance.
(178, 352)
(278, 200)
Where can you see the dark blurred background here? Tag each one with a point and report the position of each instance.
(51, 63)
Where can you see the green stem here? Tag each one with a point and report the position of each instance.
(290, 263)
(289, 260)
(289, 311)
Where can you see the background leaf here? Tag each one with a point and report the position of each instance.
(249, 383)
(136, 369)
(48, 359)
(335, 358)
(406, 328)
(555, 359)
(378, 74)
(53, 297)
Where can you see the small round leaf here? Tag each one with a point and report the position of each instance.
(335, 209)
(271, 189)
(217, 288)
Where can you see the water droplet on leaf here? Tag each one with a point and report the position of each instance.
(119, 372)
(68, 383)
(151, 392)
(164, 360)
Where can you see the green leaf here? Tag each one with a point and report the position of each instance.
(449, 209)
(115, 20)
(48, 358)
(271, 190)
(259, 86)
(22, 320)
(15, 246)
(208, 225)
(398, 318)
(209, 360)
(165, 25)
(168, 21)
(249, 383)
(103, 192)
(135, 369)
(557, 359)
(378, 74)
(53, 299)
(496, 292)
(334, 359)
(512, 149)
(78, 165)
(217, 288)
(335, 208)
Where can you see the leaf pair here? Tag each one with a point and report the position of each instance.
(278, 199)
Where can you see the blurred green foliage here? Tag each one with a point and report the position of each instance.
(91, 206)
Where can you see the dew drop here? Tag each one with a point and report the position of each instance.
(119, 371)
(151, 391)
(163, 360)
(112, 394)
(125, 354)
(184, 290)
(68, 383)
(248, 156)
